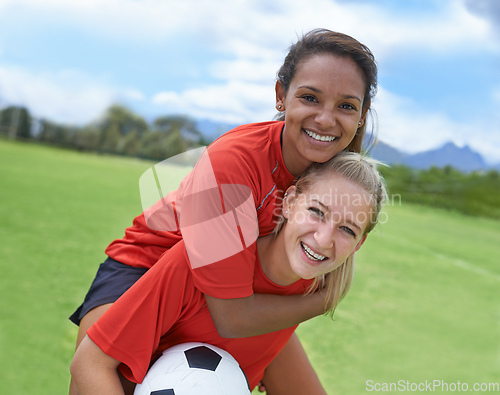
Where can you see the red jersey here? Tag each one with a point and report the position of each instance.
(219, 226)
(164, 308)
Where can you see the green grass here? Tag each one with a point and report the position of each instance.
(425, 303)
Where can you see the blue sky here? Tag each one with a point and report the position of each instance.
(439, 60)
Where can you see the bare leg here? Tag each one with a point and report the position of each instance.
(86, 322)
(291, 372)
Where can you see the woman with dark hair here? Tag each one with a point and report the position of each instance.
(323, 94)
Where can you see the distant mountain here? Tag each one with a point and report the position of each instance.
(463, 159)
(387, 154)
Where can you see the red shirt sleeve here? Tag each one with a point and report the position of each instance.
(131, 329)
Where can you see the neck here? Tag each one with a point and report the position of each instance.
(291, 157)
(274, 261)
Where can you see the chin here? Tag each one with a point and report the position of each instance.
(323, 157)
(307, 275)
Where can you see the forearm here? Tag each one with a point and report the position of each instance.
(94, 372)
(291, 372)
(263, 313)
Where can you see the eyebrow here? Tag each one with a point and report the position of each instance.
(346, 220)
(316, 90)
(353, 224)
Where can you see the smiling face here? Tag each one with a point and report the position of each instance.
(323, 105)
(325, 225)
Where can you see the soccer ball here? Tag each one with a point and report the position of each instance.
(194, 369)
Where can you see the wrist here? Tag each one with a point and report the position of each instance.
(317, 303)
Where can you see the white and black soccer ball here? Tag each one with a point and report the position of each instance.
(194, 369)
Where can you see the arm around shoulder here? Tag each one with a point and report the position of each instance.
(263, 313)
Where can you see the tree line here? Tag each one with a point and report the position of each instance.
(119, 131)
(475, 193)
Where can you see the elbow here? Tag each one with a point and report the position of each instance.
(79, 365)
(75, 370)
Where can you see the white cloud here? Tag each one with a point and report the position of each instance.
(260, 30)
(402, 125)
(233, 102)
(489, 9)
(249, 28)
(246, 70)
(455, 29)
(68, 96)
(452, 30)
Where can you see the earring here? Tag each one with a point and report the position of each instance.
(280, 107)
(360, 123)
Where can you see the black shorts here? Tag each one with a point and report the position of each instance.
(111, 281)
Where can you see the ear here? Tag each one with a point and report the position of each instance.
(364, 111)
(288, 200)
(360, 243)
(280, 96)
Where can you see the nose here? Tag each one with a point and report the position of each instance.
(325, 117)
(324, 236)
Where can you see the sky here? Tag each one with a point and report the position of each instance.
(438, 60)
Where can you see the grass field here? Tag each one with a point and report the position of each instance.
(425, 304)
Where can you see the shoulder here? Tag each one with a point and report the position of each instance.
(245, 137)
(251, 128)
(251, 146)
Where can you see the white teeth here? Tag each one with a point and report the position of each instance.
(311, 254)
(318, 137)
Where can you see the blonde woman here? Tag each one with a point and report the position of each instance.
(327, 215)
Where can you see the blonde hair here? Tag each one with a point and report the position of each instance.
(361, 170)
